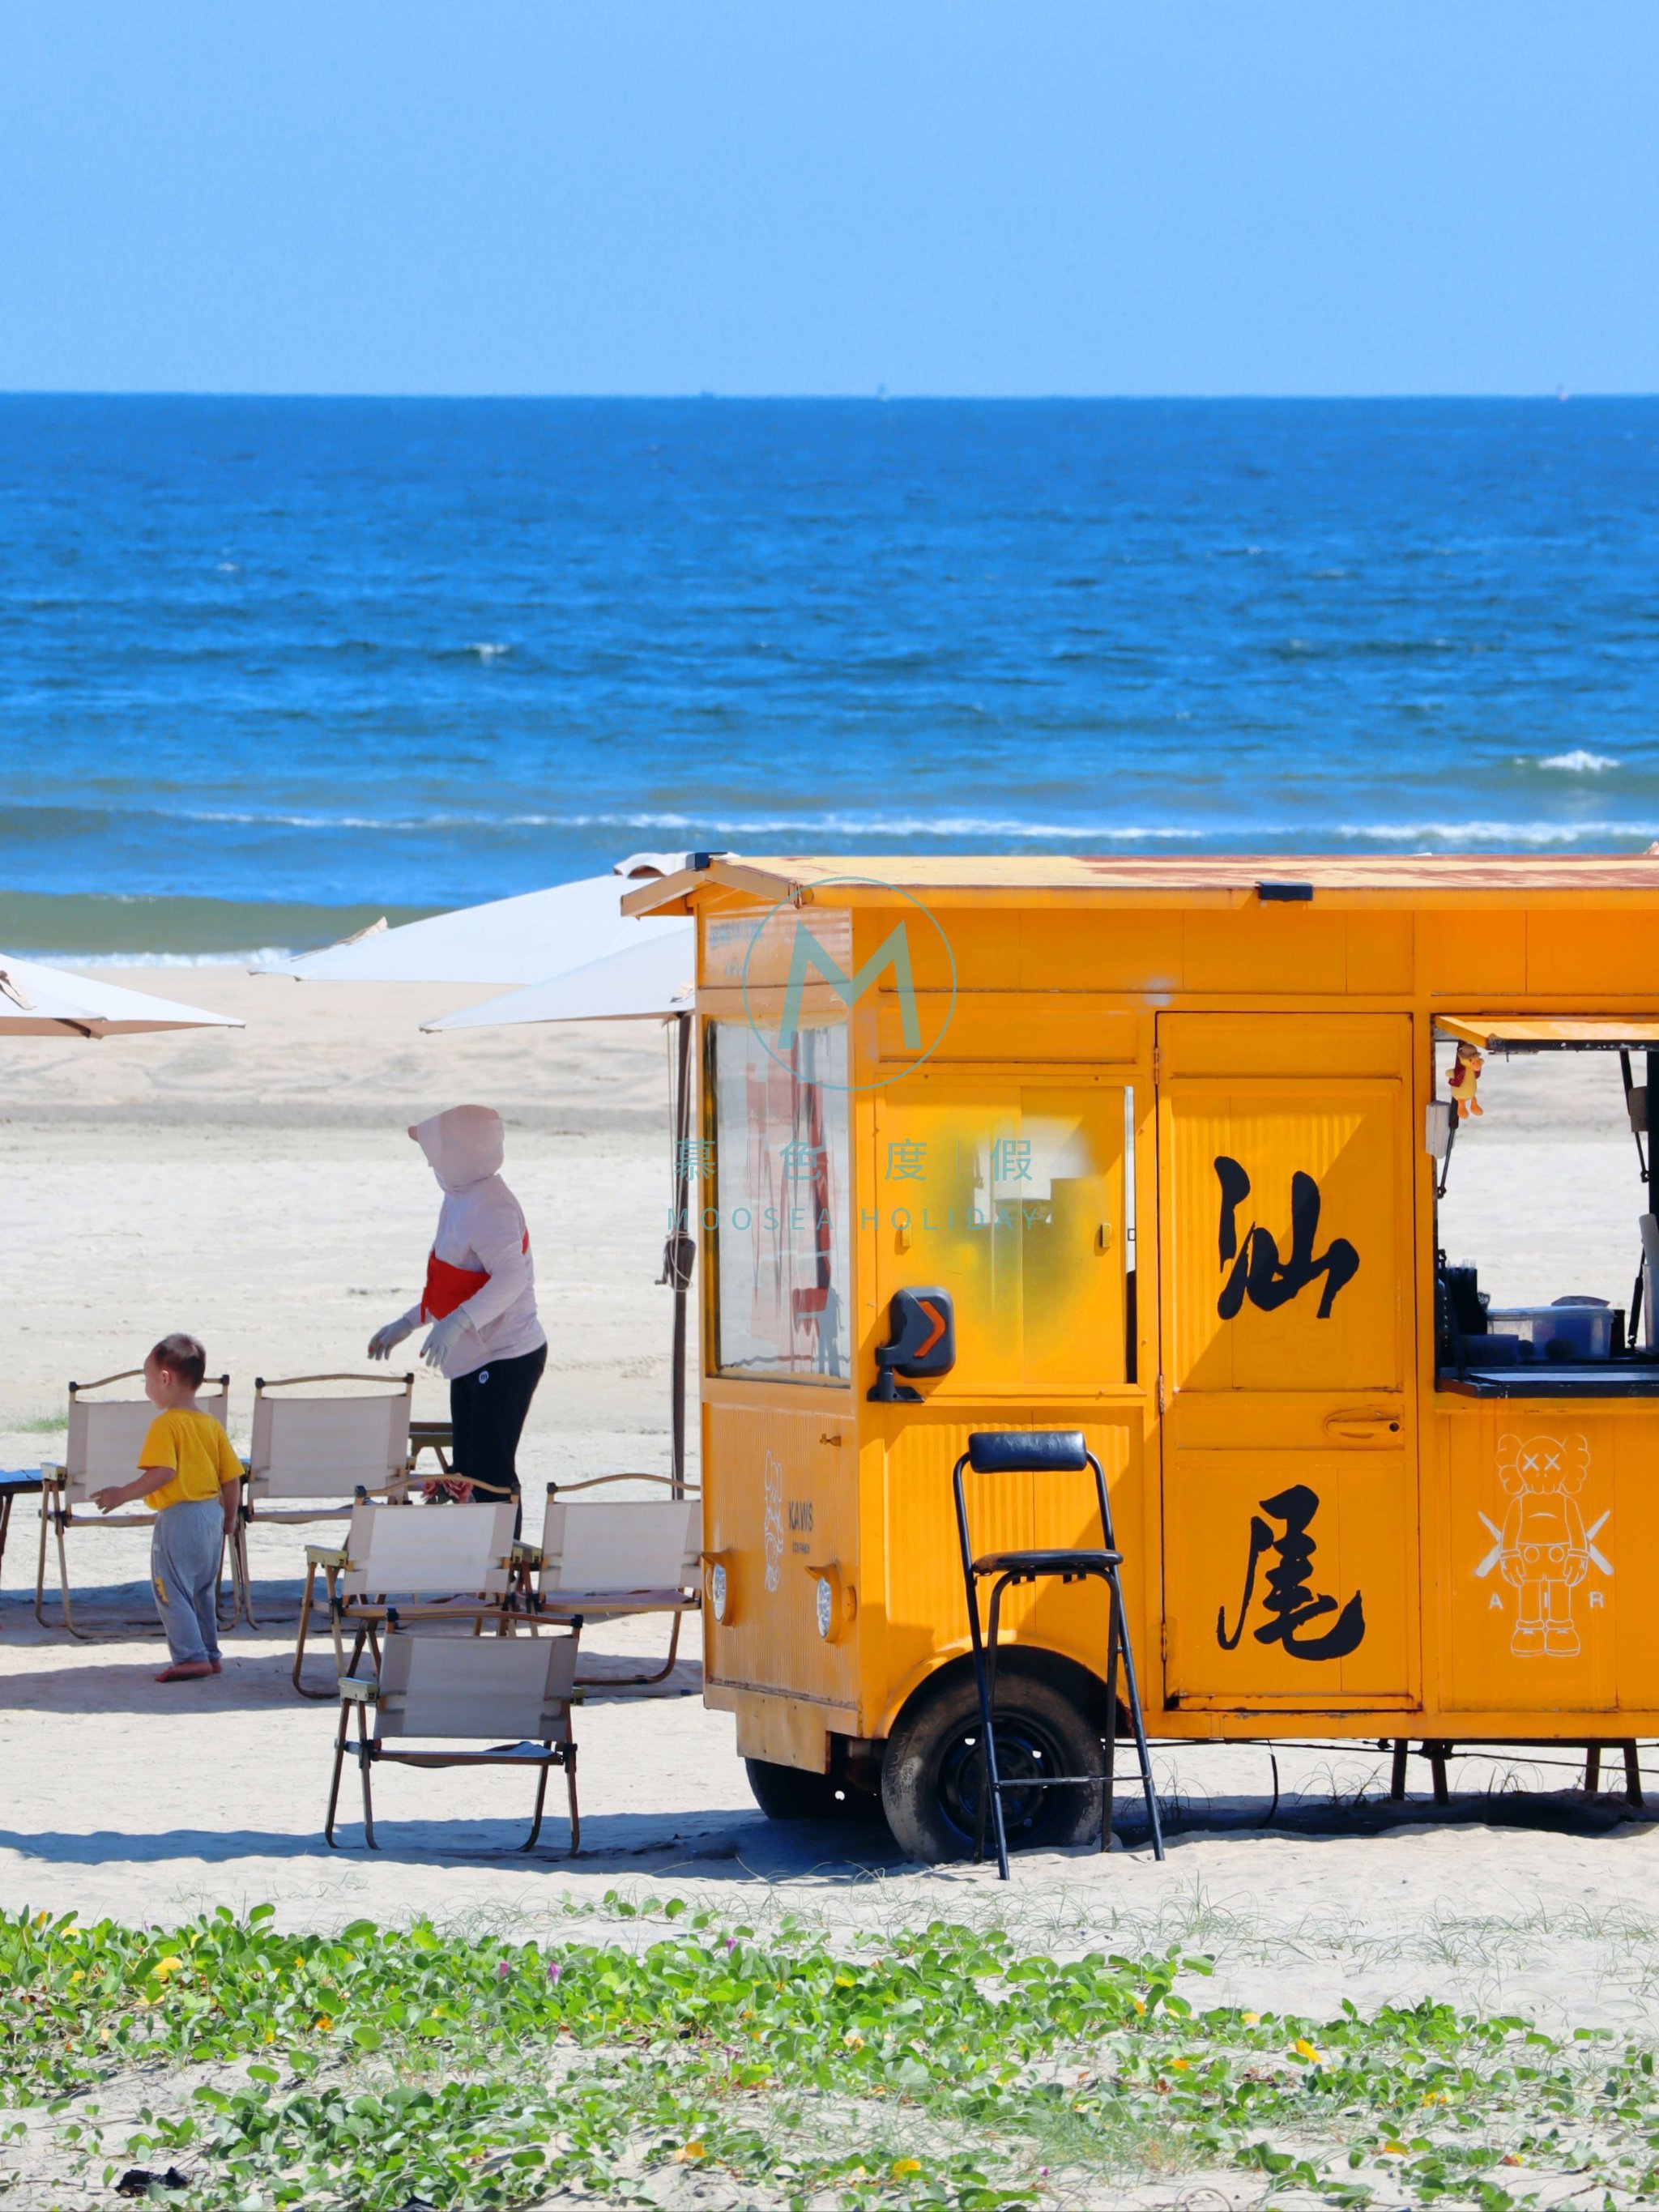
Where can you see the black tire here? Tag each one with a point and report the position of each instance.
(930, 1782)
(786, 1793)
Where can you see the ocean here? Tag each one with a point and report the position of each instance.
(270, 667)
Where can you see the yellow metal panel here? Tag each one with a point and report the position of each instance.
(1053, 1029)
(1266, 948)
(1011, 1196)
(1550, 1514)
(1243, 1164)
(1350, 1511)
(925, 1610)
(1282, 1044)
(1469, 949)
(780, 1498)
(1380, 953)
(1130, 951)
(1572, 954)
(1289, 1461)
(785, 1731)
(976, 948)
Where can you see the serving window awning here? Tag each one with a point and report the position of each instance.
(1552, 1032)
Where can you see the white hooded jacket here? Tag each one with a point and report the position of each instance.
(480, 1227)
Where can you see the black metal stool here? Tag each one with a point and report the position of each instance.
(1041, 1452)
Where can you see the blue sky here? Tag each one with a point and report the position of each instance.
(1027, 197)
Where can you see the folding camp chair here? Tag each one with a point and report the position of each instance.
(106, 1435)
(612, 1558)
(324, 1446)
(478, 1688)
(396, 1556)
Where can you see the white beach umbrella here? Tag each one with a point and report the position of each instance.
(37, 1001)
(654, 980)
(512, 940)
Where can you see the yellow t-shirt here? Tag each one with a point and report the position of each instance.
(197, 1449)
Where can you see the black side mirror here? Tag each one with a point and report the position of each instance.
(921, 1328)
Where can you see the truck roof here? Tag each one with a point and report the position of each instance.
(1208, 878)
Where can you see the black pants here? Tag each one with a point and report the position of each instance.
(487, 1411)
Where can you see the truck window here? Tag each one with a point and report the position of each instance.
(779, 1222)
(1546, 1234)
(1015, 1197)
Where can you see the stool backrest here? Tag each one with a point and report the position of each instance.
(106, 1435)
(623, 1546)
(1034, 1452)
(507, 1688)
(327, 1444)
(424, 1550)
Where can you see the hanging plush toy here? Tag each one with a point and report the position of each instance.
(1461, 1082)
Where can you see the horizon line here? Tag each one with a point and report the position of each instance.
(880, 396)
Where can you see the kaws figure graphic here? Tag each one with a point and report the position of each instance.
(1463, 1080)
(1543, 1548)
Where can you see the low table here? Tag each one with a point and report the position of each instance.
(14, 1485)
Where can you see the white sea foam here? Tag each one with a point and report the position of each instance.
(258, 957)
(1580, 762)
(1458, 835)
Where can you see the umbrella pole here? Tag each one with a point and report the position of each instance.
(681, 1249)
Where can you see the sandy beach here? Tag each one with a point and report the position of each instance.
(257, 1187)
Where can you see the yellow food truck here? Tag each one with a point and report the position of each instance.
(1156, 1151)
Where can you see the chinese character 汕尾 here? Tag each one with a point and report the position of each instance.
(1011, 1160)
(1257, 1271)
(1292, 1601)
(693, 1159)
(906, 1161)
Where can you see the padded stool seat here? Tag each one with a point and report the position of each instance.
(1048, 1562)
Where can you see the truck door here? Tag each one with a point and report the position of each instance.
(1288, 1437)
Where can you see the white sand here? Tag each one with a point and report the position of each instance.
(258, 1189)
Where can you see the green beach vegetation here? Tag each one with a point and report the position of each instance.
(669, 2057)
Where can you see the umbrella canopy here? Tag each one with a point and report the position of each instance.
(512, 940)
(37, 1001)
(646, 982)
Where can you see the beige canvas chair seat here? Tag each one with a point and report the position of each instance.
(106, 1435)
(316, 1449)
(612, 1558)
(397, 1563)
(512, 1693)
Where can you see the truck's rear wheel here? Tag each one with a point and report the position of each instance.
(786, 1793)
(930, 1782)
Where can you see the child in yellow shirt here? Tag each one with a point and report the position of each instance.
(188, 1472)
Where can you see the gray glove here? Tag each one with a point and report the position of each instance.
(384, 1342)
(441, 1336)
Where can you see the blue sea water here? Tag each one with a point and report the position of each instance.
(324, 654)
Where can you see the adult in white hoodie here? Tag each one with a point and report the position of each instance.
(480, 1298)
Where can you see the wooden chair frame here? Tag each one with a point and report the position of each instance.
(58, 1507)
(303, 1515)
(369, 1751)
(609, 1605)
(368, 1614)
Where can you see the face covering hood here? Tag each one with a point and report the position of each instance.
(462, 1146)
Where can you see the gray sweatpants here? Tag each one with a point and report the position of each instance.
(183, 1568)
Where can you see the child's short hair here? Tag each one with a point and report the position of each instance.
(182, 1356)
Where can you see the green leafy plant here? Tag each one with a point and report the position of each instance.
(940, 2068)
